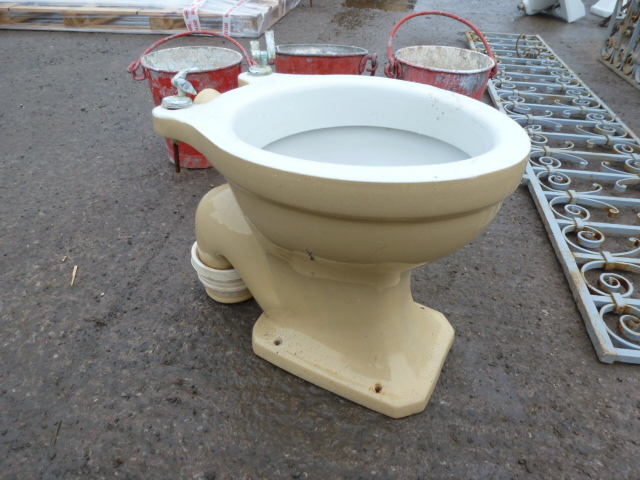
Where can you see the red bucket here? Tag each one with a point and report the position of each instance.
(454, 69)
(219, 67)
(324, 60)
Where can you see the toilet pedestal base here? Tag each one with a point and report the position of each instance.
(394, 385)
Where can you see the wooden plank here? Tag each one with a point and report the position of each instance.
(101, 10)
(99, 29)
(35, 8)
(65, 9)
(166, 23)
(160, 12)
(7, 17)
(80, 20)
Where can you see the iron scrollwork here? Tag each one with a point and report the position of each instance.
(584, 175)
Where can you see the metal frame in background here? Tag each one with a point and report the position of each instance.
(621, 49)
(584, 176)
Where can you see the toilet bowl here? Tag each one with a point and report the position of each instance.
(338, 186)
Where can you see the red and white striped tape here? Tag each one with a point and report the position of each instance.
(190, 15)
(226, 18)
(192, 21)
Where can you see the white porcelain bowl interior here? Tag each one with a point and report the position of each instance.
(367, 129)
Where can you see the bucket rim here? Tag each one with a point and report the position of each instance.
(146, 66)
(349, 50)
(442, 70)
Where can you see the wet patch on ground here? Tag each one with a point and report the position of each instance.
(389, 6)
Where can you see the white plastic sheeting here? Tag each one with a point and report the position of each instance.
(237, 18)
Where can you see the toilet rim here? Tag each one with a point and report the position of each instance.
(510, 145)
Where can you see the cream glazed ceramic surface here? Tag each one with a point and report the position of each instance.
(338, 186)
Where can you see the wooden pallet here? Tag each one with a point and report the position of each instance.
(20, 16)
(35, 17)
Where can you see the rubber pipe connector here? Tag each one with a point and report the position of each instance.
(224, 286)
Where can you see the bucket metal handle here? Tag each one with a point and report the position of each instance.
(392, 68)
(133, 68)
(373, 60)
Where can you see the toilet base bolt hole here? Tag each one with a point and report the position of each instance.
(277, 341)
(377, 388)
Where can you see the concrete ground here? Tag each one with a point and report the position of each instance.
(133, 372)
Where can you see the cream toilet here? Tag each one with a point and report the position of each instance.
(338, 186)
